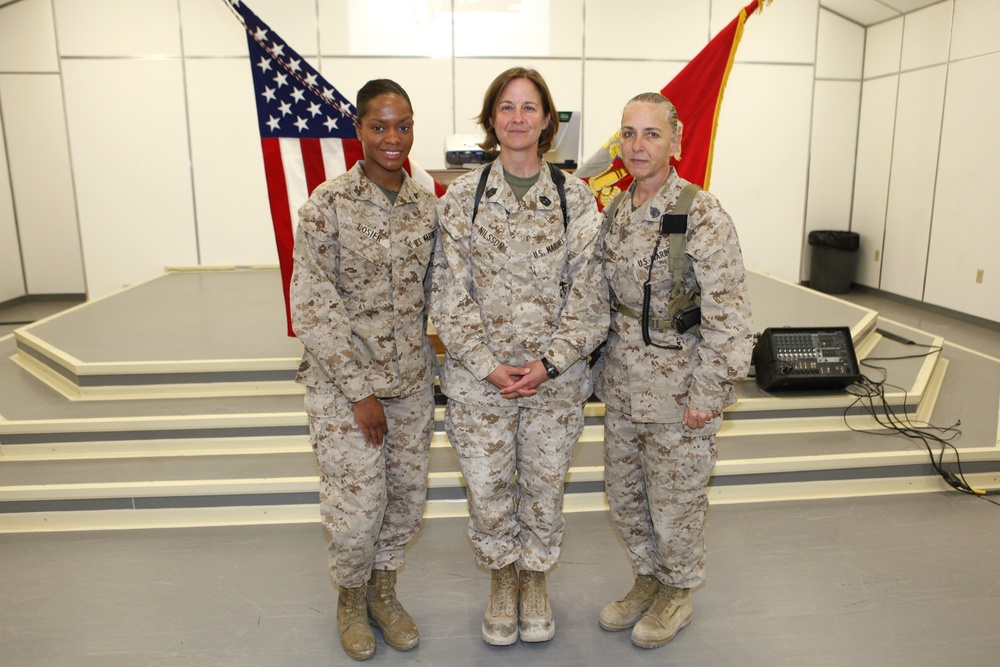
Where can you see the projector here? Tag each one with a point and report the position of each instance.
(462, 150)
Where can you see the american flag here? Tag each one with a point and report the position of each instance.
(307, 131)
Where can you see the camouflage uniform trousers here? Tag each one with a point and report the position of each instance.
(656, 476)
(371, 499)
(514, 520)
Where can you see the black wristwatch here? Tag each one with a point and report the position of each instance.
(550, 370)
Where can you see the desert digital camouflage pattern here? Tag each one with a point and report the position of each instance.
(652, 384)
(513, 287)
(514, 521)
(358, 296)
(655, 477)
(371, 498)
(517, 286)
(359, 285)
(656, 469)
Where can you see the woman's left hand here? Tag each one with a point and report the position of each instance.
(528, 384)
(695, 419)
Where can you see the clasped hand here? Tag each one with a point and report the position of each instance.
(517, 381)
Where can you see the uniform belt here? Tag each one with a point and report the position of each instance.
(655, 323)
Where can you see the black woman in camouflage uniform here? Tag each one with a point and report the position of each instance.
(362, 253)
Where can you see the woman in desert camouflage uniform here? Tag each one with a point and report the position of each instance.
(664, 391)
(519, 302)
(358, 294)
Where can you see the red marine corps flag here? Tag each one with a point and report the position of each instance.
(696, 91)
(306, 132)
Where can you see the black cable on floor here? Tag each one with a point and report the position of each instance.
(866, 391)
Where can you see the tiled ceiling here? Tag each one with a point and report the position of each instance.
(870, 12)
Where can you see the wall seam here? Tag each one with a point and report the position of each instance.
(69, 151)
(937, 160)
(892, 153)
(190, 144)
(13, 200)
(804, 228)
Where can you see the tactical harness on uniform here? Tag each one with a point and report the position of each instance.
(684, 307)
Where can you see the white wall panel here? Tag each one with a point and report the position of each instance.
(211, 29)
(926, 36)
(115, 28)
(360, 28)
(840, 50)
(42, 183)
(234, 219)
(976, 29)
(832, 151)
(761, 161)
(473, 76)
(426, 81)
(11, 277)
(965, 235)
(871, 174)
(129, 142)
(785, 32)
(883, 43)
(542, 29)
(635, 30)
(28, 37)
(911, 182)
(608, 86)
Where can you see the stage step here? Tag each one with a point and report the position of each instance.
(39, 422)
(238, 451)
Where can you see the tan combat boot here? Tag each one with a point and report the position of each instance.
(671, 611)
(500, 622)
(352, 619)
(398, 628)
(623, 614)
(536, 614)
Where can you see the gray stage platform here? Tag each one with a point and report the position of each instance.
(172, 403)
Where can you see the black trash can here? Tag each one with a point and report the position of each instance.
(834, 258)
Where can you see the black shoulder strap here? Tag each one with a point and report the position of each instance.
(480, 187)
(558, 177)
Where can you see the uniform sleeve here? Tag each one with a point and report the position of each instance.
(724, 351)
(586, 314)
(319, 317)
(453, 309)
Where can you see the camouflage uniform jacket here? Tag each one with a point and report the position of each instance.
(517, 285)
(654, 384)
(359, 287)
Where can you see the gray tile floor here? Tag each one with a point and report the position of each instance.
(896, 580)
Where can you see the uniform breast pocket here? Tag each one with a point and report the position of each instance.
(549, 264)
(363, 256)
(489, 253)
(654, 270)
(418, 253)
